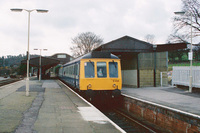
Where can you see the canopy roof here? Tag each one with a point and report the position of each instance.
(46, 63)
(129, 44)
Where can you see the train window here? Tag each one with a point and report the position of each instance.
(67, 70)
(72, 70)
(89, 69)
(101, 69)
(75, 67)
(113, 69)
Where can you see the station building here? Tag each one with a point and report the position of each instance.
(141, 62)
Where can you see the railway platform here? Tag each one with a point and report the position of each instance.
(51, 107)
(171, 97)
(168, 109)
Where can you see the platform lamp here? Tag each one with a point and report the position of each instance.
(28, 58)
(40, 62)
(190, 54)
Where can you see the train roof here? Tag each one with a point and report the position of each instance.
(94, 54)
(99, 54)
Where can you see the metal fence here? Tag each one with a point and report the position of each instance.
(181, 76)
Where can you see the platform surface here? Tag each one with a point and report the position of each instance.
(171, 97)
(50, 108)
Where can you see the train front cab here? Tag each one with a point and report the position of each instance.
(101, 75)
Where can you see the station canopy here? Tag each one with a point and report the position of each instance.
(128, 44)
(46, 62)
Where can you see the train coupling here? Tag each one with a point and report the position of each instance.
(116, 93)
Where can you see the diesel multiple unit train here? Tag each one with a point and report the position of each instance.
(95, 72)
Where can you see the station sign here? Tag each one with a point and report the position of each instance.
(190, 55)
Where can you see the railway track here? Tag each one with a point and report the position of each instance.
(8, 81)
(135, 126)
(111, 109)
(126, 122)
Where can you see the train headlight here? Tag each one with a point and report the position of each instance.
(114, 85)
(89, 86)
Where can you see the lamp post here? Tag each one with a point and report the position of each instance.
(28, 58)
(190, 54)
(40, 62)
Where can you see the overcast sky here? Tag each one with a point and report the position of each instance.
(111, 19)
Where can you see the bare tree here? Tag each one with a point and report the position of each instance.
(150, 38)
(182, 24)
(176, 38)
(84, 43)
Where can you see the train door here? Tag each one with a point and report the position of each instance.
(76, 75)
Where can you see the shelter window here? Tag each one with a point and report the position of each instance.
(113, 69)
(89, 69)
(101, 69)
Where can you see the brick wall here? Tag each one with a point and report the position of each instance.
(163, 119)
